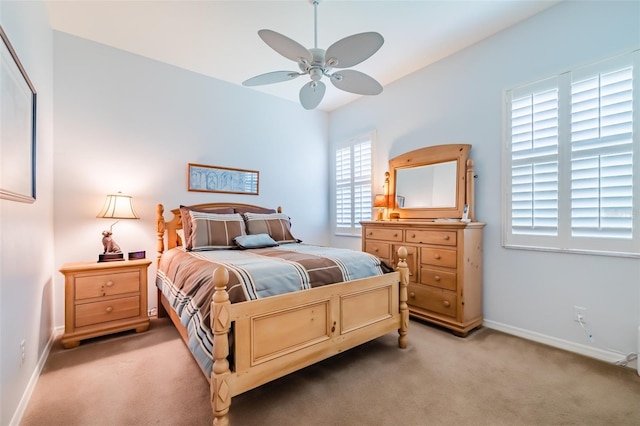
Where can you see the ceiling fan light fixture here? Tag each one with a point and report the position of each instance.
(344, 53)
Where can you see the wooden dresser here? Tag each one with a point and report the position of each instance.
(445, 265)
(103, 298)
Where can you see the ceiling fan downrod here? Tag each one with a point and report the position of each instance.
(315, 4)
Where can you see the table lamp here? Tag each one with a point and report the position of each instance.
(116, 206)
(380, 202)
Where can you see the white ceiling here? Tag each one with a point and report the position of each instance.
(219, 38)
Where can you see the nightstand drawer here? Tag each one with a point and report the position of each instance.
(438, 278)
(109, 310)
(435, 300)
(447, 238)
(381, 250)
(384, 234)
(101, 285)
(438, 257)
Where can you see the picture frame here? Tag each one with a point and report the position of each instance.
(17, 127)
(204, 178)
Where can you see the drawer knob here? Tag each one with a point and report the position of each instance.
(376, 250)
(413, 235)
(109, 283)
(437, 256)
(446, 238)
(436, 277)
(370, 233)
(446, 303)
(412, 295)
(109, 309)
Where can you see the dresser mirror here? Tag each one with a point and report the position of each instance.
(432, 183)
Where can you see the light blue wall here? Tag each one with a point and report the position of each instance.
(27, 266)
(459, 100)
(131, 124)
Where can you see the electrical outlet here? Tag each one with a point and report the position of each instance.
(580, 314)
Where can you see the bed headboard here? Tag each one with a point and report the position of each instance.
(170, 227)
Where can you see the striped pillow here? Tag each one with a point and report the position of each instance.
(277, 225)
(186, 221)
(211, 231)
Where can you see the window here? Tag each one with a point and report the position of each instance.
(570, 177)
(353, 185)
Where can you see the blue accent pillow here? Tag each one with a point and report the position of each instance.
(254, 241)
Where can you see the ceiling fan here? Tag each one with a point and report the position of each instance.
(317, 63)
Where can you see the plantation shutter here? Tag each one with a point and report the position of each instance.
(569, 161)
(601, 154)
(534, 159)
(343, 188)
(353, 185)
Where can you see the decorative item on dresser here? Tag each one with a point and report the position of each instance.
(443, 243)
(104, 298)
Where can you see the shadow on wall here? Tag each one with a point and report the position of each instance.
(46, 316)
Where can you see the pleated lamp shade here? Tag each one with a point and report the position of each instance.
(118, 206)
(380, 200)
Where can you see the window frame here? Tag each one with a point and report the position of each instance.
(564, 241)
(366, 212)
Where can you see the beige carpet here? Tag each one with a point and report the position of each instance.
(488, 378)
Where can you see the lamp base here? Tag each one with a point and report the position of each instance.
(110, 257)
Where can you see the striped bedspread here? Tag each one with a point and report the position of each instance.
(185, 280)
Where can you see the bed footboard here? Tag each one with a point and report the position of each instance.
(276, 336)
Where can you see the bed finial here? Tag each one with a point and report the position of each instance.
(160, 228)
(220, 324)
(403, 269)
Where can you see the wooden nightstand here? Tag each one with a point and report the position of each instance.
(104, 298)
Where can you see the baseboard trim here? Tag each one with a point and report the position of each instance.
(26, 396)
(600, 354)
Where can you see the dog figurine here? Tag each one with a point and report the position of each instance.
(110, 246)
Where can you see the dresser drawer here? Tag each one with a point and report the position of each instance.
(381, 250)
(438, 278)
(430, 299)
(100, 285)
(384, 234)
(447, 238)
(438, 256)
(109, 310)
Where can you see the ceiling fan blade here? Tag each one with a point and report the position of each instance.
(271, 77)
(352, 50)
(356, 82)
(288, 48)
(311, 94)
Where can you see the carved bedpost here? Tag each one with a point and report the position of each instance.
(220, 324)
(403, 269)
(160, 227)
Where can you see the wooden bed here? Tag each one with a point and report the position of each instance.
(335, 318)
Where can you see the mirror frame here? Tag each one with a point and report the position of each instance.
(434, 155)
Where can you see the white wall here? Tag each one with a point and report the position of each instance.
(26, 230)
(459, 100)
(131, 124)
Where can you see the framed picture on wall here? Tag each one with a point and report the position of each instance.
(203, 178)
(17, 128)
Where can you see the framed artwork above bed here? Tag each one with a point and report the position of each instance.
(203, 178)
